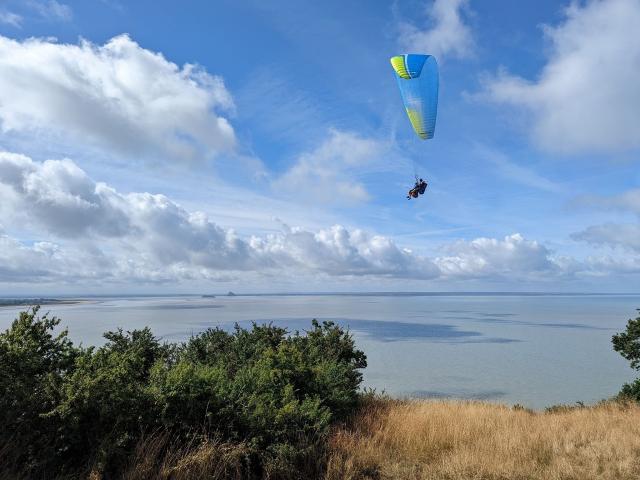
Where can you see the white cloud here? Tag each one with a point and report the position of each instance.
(10, 18)
(20, 263)
(338, 251)
(514, 256)
(328, 173)
(94, 233)
(150, 233)
(447, 35)
(586, 97)
(47, 262)
(60, 196)
(118, 95)
(608, 265)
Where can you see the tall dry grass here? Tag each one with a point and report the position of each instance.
(469, 440)
(157, 457)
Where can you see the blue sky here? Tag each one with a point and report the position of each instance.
(263, 146)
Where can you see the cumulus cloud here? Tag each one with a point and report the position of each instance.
(118, 95)
(95, 233)
(446, 35)
(328, 173)
(47, 262)
(60, 196)
(586, 97)
(513, 256)
(20, 263)
(337, 251)
(147, 232)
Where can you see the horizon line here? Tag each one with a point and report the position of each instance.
(322, 293)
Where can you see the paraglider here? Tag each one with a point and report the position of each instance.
(418, 189)
(417, 77)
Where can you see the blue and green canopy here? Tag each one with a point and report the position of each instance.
(417, 77)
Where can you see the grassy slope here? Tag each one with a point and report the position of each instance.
(410, 440)
(468, 440)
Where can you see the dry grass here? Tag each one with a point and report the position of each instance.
(470, 440)
(435, 440)
(156, 457)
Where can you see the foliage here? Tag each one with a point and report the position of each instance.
(33, 363)
(66, 409)
(630, 391)
(627, 344)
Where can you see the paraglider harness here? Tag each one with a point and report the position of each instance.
(418, 189)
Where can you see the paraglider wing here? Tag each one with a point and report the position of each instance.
(417, 77)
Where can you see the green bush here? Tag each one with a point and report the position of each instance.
(33, 365)
(630, 391)
(67, 409)
(627, 344)
(105, 404)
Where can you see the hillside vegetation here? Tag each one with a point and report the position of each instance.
(439, 440)
(447, 440)
(265, 403)
(254, 403)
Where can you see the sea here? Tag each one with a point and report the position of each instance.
(535, 350)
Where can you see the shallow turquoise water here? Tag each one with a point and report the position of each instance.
(533, 350)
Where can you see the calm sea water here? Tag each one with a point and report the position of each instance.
(533, 350)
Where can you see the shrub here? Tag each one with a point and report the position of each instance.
(105, 404)
(274, 395)
(33, 364)
(627, 344)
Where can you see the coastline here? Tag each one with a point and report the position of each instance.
(29, 302)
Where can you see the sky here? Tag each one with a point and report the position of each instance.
(169, 147)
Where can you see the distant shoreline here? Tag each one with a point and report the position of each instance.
(27, 302)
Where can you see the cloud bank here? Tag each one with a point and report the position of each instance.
(95, 232)
(151, 232)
